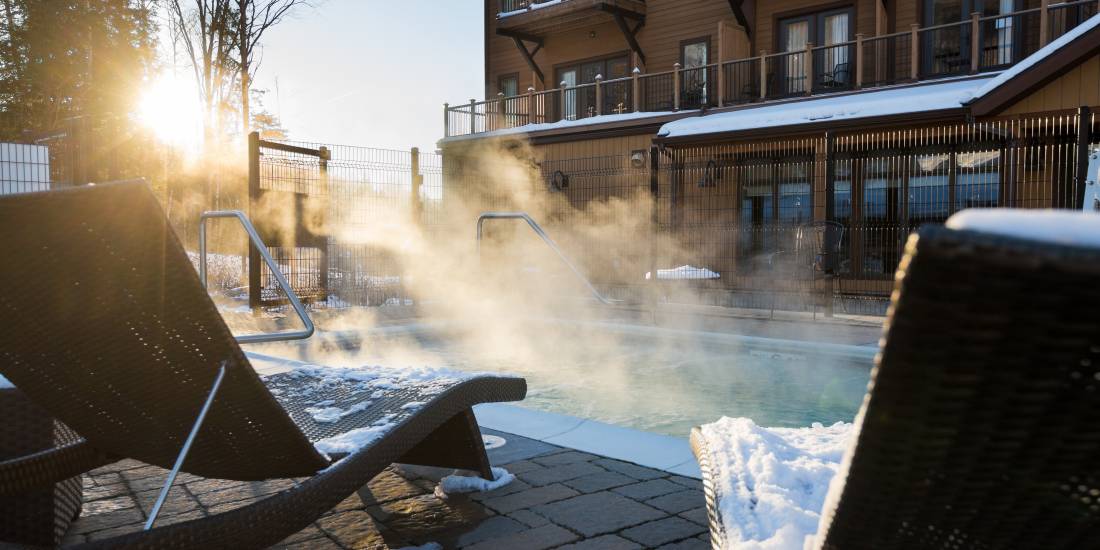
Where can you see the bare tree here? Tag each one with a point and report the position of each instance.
(254, 18)
(206, 30)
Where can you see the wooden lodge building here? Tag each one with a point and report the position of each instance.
(754, 125)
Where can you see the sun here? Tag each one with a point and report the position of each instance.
(170, 108)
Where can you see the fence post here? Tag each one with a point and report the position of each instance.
(808, 68)
(323, 156)
(914, 51)
(473, 119)
(1044, 22)
(499, 114)
(446, 120)
(828, 255)
(253, 202)
(636, 88)
(975, 41)
(675, 88)
(721, 78)
(1084, 136)
(654, 188)
(564, 103)
(763, 74)
(599, 94)
(859, 60)
(417, 180)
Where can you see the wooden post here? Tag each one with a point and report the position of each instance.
(599, 94)
(563, 86)
(914, 51)
(859, 60)
(636, 83)
(254, 192)
(676, 87)
(808, 68)
(499, 121)
(975, 41)
(1075, 198)
(473, 119)
(721, 76)
(531, 110)
(763, 74)
(446, 120)
(1044, 22)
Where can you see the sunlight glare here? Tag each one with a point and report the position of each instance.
(170, 108)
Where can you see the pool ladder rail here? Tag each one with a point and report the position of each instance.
(280, 279)
(549, 242)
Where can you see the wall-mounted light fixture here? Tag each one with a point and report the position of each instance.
(637, 159)
(559, 181)
(710, 174)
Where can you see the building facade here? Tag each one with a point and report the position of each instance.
(788, 132)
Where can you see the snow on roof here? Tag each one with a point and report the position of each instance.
(891, 101)
(1044, 52)
(529, 128)
(1063, 227)
(539, 6)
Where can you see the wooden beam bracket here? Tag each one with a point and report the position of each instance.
(528, 55)
(739, 14)
(630, 34)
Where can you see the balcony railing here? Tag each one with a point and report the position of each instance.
(979, 44)
(509, 7)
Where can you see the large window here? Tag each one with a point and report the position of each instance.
(582, 103)
(947, 50)
(832, 65)
(694, 56)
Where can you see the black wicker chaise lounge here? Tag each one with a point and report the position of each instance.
(109, 330)
(981, 428)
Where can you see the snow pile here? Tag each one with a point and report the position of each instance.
(4, 384)
(684, 272)
(890, 101)
(1063, 227)
(349, 442)
(454, 484)
(771, 482)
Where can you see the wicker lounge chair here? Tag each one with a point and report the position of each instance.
(982, 427)
(110, 331)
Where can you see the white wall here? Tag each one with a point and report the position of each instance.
(24, 168)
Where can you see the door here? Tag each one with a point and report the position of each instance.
(693, 58)
(794, 34)
(569, 78)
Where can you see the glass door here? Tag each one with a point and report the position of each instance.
(794, 34)
(569, 78)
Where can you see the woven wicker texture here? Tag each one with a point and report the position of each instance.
(113, 334)
(982, 429)
(40, 516)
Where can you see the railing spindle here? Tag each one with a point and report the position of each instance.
(676, 87)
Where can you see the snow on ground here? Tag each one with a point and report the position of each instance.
(890, 101)
(684, 272)
(455, 484)
(772, 482)
(1064, 227)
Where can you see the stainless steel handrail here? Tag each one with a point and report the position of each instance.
(546, 239)
(254, 237)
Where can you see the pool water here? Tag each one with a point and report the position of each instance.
(660, 385)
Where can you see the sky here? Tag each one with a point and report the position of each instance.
(373, 73)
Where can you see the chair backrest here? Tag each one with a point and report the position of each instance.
(982, 425)
(107, 327)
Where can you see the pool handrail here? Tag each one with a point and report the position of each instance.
(546, 239)
(257, 242)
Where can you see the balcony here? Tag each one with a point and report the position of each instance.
(977, 45)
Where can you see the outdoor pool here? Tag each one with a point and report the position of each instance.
(644, 378)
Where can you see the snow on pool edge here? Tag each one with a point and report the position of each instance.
(772, 482)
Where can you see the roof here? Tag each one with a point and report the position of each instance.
(1039, 68)
(930, 97)
(572, 127)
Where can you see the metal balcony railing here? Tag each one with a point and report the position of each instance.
(978, 44)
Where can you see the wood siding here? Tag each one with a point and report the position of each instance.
(1080, 86)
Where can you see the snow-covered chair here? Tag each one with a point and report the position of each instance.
(108, 329)
(981, 427)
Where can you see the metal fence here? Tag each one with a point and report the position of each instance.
(24, 168)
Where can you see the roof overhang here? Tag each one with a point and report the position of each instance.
(568, 15)
(644, 125)
(1038, 74)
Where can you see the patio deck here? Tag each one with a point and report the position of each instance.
(561, 498)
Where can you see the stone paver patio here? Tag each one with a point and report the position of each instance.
(561, 498)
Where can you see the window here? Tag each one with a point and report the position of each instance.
(509, 86)
(582, 103)
(694, 56)
(832, 66)
(948, 48)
